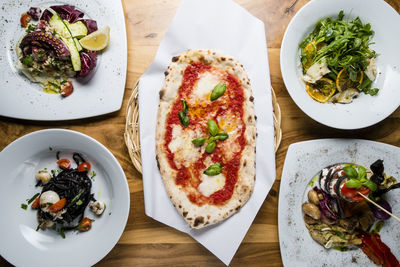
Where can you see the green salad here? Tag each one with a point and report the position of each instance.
(337, 60)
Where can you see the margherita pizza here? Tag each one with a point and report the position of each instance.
(206, 136)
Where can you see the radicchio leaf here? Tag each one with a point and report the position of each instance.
(328, 205)
(88, 62)
(34, 12)
(90, 24)
(66, 12)
(380, 214)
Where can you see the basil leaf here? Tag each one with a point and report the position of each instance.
(350, 172)
(24, 206)
(222, 136)
(211, 147)
(353, 183)
(199, 141)
(184, 106)
(218, 91)
(214, 169)
(33, 198)
(362, 172)
(212, 127)
(183, 119)
(371, 185)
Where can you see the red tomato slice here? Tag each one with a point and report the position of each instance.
(64, 164)
(351, 193)
(36, 203)
(25, 19)
(85, 225)
(58, 205)
(84, 167)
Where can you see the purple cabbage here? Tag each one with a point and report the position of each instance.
(66, 12)
(328, 206)
(380, 214)
(34, 12)
(90, 24)
(88, 62)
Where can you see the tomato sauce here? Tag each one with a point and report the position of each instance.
(190, 177)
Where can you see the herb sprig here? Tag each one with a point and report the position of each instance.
(358, 177)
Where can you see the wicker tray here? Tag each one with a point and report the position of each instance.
(132, 127)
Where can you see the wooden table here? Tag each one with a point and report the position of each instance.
(148, 242)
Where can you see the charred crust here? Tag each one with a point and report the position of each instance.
(208, 216)
(189, 219)
(231, 210)
(158, 163)
(175, 58)
(238, 207)
(162, 92)
(249, 118)
(166, 73)
(251, 98)
(184, 214)
(198, 220)
(180, 206)
(203, 60)
(244, 163)
(223, 58)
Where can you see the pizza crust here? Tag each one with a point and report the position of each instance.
(207, 214)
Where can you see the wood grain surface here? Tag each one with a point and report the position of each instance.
(146, 242)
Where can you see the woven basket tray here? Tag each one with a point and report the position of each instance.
(132, 127)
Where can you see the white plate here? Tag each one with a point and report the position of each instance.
(365, 110)
(303, 161)
(20, 244)
(103, 93)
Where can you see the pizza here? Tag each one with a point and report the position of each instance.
(206, 136)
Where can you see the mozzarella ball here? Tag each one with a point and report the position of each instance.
(49, 197)
(43, 176)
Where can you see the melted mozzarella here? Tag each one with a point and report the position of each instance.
(206, 83)
(181, 145)
(211, 184)
(316, 71)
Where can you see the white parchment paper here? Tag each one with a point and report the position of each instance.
(225, 26)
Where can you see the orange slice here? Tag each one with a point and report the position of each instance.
(343, 81)
(322, 90)
(309, 51)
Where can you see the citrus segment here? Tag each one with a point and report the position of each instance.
(97, 40)
(322, 90)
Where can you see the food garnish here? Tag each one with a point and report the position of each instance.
(97, 40)
(338, 217)
(337, 60)
(218, 91)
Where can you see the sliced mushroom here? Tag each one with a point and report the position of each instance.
(311, 210)
(313, 197)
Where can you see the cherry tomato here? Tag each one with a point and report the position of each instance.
(85, 225)
(84, 167)
(58, 205)
(64, 164)
(351, 193)
(66, 89)
(36, 203)
(25, 19)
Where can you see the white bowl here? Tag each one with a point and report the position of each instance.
(365, 110)
(20, 244)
